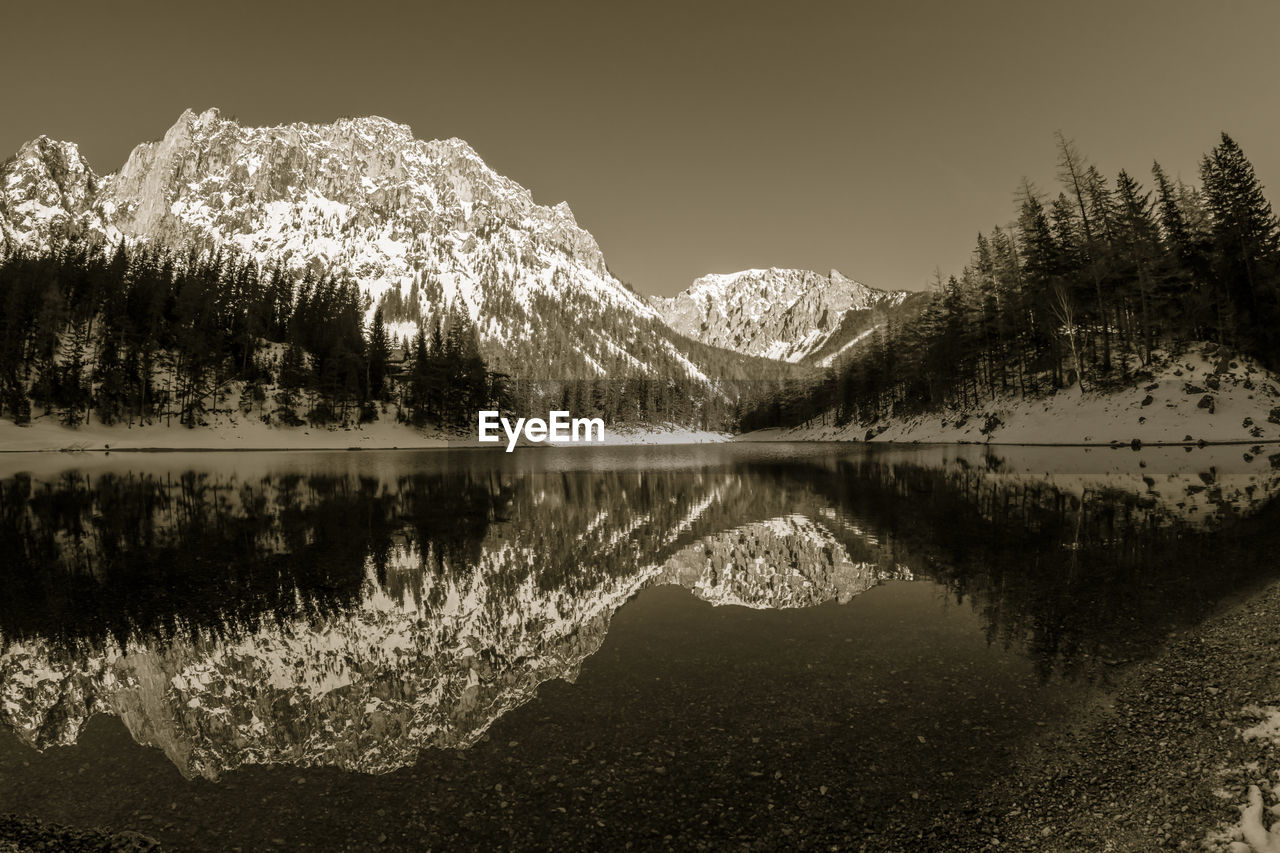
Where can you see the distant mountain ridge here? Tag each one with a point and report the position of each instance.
(786, 314)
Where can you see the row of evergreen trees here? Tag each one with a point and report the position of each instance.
(136, 335)
(448, 381)
(1086, 286)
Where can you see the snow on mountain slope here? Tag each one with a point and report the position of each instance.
(776, 313)
(46, 189)
(362, 196)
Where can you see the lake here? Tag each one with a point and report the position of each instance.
(743, 645)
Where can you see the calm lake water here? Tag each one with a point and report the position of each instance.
(724, 646)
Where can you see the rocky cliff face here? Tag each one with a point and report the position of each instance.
(47, 191)
(361, 193)
(776, 313)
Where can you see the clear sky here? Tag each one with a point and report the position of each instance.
(693, 137)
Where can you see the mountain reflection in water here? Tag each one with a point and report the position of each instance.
(351, 614)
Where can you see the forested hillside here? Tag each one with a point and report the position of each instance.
(142, 335)
(1089, 284)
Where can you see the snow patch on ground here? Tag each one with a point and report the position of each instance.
(1195, 396)
(1252, 834)
(226, 434)
(1268, 729)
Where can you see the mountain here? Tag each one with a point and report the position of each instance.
(420, 225)
(47, 193)
(791, 315)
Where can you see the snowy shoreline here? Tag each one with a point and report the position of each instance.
(750, 438)
(250, 436)
(1194, 399)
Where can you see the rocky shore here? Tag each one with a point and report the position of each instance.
(1167, 761)
(22, 834)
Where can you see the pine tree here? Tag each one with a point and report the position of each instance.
(1138, 251)
(1246, 242)
(379, 356)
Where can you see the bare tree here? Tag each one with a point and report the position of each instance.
(1063, 307)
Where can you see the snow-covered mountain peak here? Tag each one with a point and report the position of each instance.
(47, 186)
(43, 148)
(562, 208)
(786, 314)
(208, 179)
(419, 224)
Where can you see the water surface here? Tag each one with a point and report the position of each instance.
(742, 645)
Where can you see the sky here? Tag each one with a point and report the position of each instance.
(694, 137)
